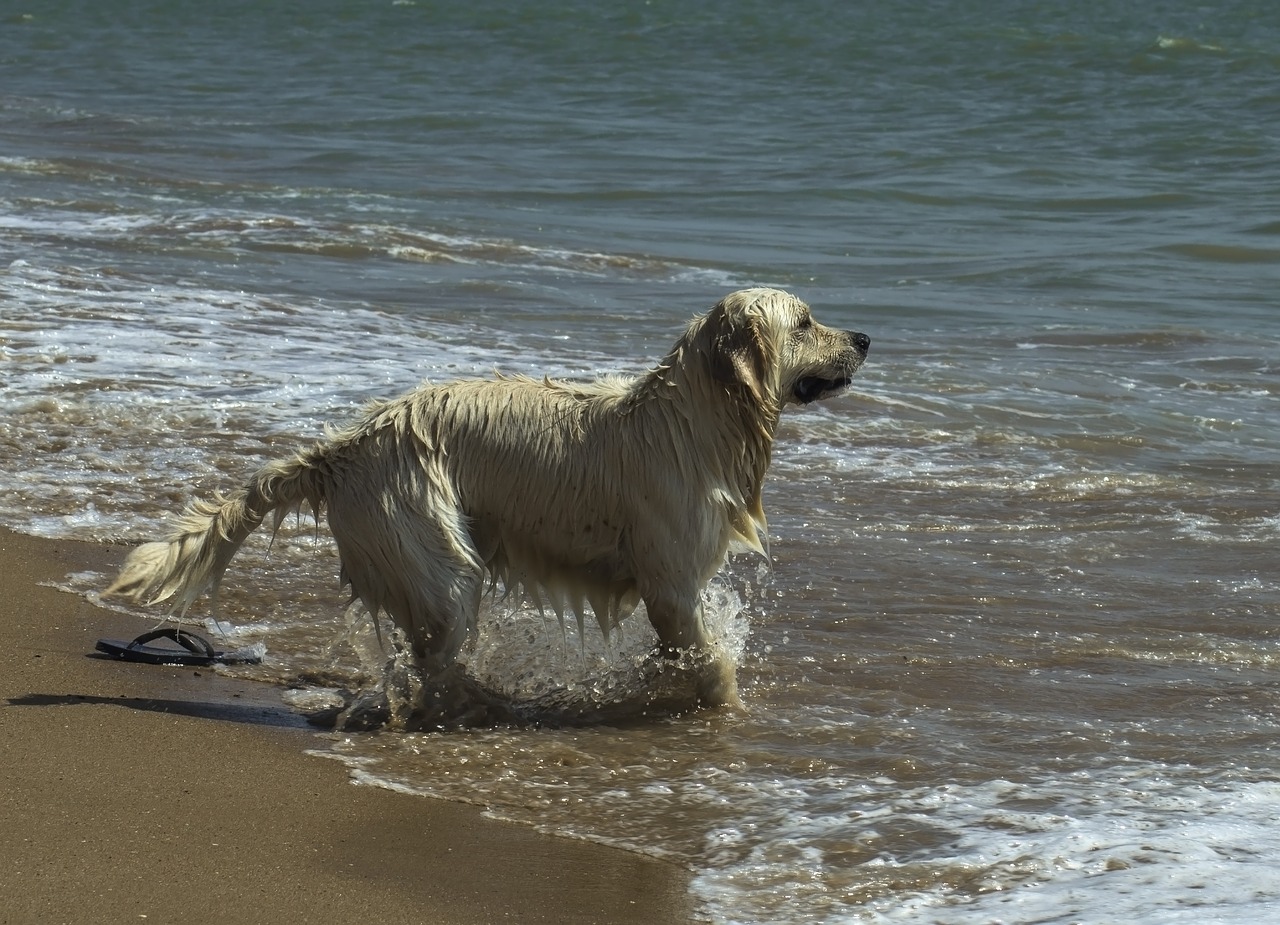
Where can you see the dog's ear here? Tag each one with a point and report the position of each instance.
(741, 351)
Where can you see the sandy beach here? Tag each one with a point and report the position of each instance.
(134, 792)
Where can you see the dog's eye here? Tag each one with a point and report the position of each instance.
(805, 323)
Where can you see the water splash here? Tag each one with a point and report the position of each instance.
(524, 669)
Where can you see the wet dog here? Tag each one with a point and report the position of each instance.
(599, 495)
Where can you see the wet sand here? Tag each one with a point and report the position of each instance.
(161, 794)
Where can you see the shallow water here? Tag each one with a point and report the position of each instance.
(1014, 656)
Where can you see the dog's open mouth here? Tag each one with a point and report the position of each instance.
(812, 388)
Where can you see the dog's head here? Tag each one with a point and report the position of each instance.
(766, 341)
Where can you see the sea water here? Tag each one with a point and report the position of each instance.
(1013, 657)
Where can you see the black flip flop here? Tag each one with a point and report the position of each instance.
(196, 650)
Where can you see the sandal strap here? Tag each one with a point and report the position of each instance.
(188, 640)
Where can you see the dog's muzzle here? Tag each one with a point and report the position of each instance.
(814, 388)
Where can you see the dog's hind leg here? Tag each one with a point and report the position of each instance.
(406, 551)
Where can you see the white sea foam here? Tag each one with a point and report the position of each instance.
(1134, 844)
(114, 385)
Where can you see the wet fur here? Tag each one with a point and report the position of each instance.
(582, 496)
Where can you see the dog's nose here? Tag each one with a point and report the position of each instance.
(861, 341)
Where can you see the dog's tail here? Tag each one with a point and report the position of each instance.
(191, 561)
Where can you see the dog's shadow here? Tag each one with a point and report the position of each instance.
(247, 714)
(455, 702)
(373, 714)
(459, 701)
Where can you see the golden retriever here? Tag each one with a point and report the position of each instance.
(602, 494)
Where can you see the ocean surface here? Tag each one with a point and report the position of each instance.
(1016, 655)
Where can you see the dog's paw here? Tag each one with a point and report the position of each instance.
(700, 676)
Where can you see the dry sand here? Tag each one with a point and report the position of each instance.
(144, 793)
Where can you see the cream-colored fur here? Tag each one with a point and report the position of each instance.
(596, 495)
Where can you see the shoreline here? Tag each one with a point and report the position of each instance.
(177, 794)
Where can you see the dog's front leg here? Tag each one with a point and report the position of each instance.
(678, 623)
(682, 637)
